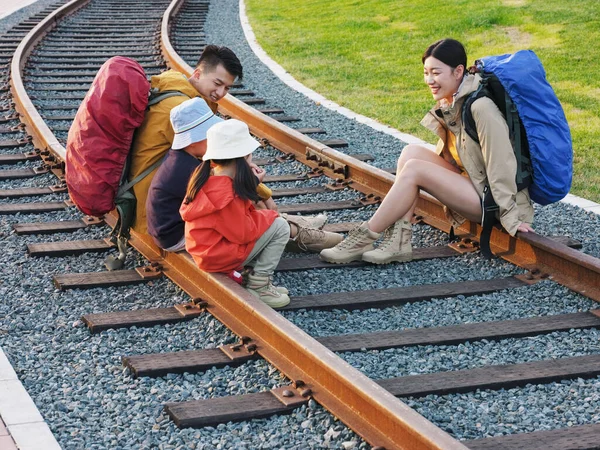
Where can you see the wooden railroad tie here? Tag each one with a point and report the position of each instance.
(348, 300)
(200, 413)
(581, 437)
(63, 226)
(192, 361)
(105, 279)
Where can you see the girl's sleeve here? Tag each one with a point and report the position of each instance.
(500, 160)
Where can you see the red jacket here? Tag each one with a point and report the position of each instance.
(221, 228)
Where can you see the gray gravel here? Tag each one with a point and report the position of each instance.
(532, 408)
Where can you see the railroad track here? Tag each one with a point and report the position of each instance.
(47, 84)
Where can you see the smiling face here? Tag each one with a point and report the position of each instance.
(212, 83)
(443, 80)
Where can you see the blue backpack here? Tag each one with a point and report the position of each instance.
(537, 124)
(538, 130)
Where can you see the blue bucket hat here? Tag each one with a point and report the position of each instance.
(191, 120)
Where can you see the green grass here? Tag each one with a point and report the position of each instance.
(366, 55)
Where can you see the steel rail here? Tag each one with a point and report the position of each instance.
(43, 138)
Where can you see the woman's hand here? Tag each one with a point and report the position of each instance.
(524, 227)
(260, 173)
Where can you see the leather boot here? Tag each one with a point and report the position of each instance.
(317, 221)
(395, 246)
(359, 240)
(261, 286)
(312, 240)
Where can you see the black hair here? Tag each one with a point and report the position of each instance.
(449, 51)
(244, 182)
(213, 55)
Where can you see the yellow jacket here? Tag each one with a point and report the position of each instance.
(154, 138)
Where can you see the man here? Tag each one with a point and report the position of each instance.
(217, 70)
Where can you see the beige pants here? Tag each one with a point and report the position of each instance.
(267, 251)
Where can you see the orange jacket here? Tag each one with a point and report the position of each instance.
(221, 228)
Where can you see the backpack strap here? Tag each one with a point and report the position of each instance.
(125, 187)
(488, 219)
(157, 96)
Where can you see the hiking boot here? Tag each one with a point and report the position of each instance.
(247, 270)
(306, 221)
(359, 240)
(261, 286)
(313, 240)
(395, 246)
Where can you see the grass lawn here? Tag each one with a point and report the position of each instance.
(366, 55)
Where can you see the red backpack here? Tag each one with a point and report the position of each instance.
(101, 134)
(100, 139)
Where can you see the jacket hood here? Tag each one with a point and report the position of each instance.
(215, 195)
(171, 80)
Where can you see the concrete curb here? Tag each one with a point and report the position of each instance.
(20, 415)
(284, 76)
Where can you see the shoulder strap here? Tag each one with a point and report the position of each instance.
(124, 188)
(467, 115)
(157, 96)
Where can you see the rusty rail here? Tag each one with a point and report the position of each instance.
(375, 414)
(43, 138)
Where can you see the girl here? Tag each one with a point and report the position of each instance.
(456, 175)
(223, 229)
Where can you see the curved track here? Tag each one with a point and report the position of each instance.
(69, 56)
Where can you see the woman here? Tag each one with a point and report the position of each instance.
(456, 175)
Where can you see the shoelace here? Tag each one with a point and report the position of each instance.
(308, 233)
(270, 288)
(388, 236)
(354, 236)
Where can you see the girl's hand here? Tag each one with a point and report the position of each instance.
(524, 227)
(260, 173)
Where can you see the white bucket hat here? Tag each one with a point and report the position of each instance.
(191, 120)
(228, 140)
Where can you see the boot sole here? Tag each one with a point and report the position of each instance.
(397, 259)
(274, 306)
(341, 261)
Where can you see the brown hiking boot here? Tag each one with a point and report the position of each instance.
(261, 286)
(313, 240)
(306, 221)
(395, 246)
(359, 240)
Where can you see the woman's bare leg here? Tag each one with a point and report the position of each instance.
(428, 171)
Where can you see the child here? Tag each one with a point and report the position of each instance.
(223, 229)
(190, 121)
